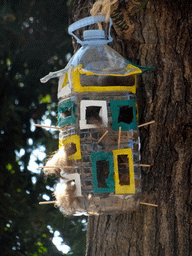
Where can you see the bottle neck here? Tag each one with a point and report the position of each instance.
(94, 37)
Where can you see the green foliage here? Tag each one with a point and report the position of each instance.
(33, 42)
(45, 99)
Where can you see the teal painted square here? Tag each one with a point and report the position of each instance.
(63, 108)
(115, 111)
(97, 156)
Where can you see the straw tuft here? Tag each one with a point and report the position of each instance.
(65, 194)
(58, 160)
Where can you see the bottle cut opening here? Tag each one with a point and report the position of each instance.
(92, 115)
(70, 149)
(123, 168)
(66, 113)
(105, 80)
(102, 172)
(125, 115)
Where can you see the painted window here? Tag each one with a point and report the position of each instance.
(72, 147)
(124, 171)
(93, 113)
(66, 113)
(123, 114)
(102, 168)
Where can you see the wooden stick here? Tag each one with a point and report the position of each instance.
(46, 126)
(103, 136)
(154, 205)
(55, 167)
(53, 202)
(145, 165)
(47, 167)
(119, 138)
(47, 202)
(141, 125)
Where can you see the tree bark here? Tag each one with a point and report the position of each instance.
(162, 39)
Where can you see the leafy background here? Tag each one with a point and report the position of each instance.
(33, 42)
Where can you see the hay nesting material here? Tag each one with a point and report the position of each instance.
(65, 194)
(59, 160)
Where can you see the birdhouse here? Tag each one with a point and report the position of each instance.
(98, 160)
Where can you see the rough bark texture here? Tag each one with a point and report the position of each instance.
(162, 39)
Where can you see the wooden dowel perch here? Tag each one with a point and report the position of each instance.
(51, 127)
(142, 203)
(147, 204)
(141, 125)
(145, 165)
(119, 138)
(55, 167)
(47, 202)
(47, 167)
(103, 136)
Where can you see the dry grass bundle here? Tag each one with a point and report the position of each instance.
(58, 160)
(65, 194)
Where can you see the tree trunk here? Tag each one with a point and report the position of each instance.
(162, 39)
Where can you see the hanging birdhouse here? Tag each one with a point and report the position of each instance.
(98, 160)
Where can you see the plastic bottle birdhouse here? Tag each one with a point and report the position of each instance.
(99, 147)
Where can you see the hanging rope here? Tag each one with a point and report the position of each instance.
(103, 7)
(121, 14)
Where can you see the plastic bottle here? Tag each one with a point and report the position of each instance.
(98, 113)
